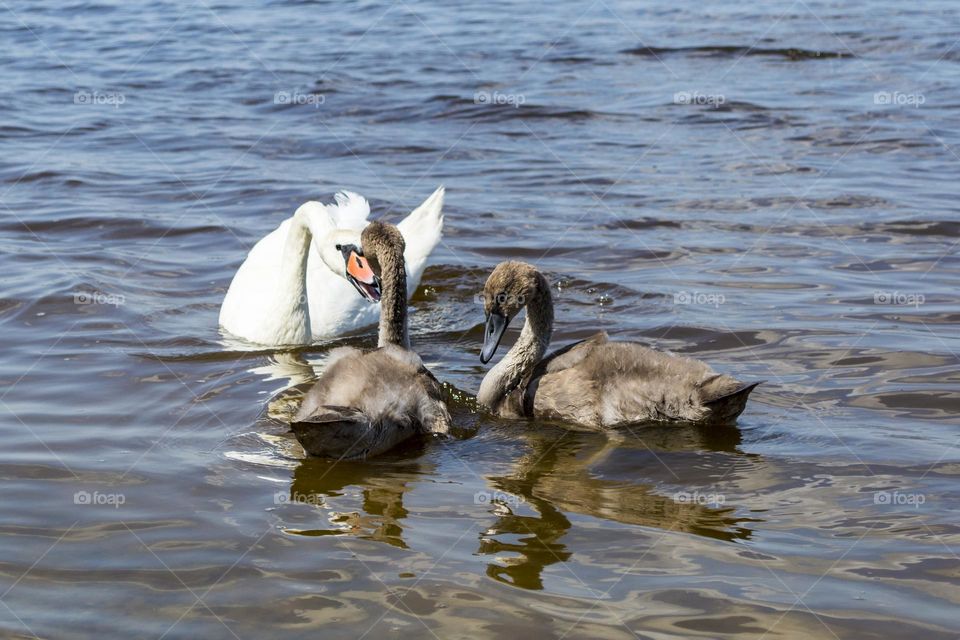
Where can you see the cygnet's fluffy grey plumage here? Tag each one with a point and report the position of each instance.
(594, 383)
(367, 402)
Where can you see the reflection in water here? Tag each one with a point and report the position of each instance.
(290, 366)
(537, 538)
(537, 541)
(382, 484)
(561, 473)
(564, 473)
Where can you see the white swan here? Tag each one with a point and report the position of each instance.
(284, 293)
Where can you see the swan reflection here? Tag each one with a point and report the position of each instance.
(381, 483)
(525, 512)
(587, 474)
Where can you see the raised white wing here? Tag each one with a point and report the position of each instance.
(421, 231)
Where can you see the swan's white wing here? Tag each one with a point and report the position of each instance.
(421, 232)
(350, 212)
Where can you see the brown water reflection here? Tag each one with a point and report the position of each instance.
(554, 479)
(382, 487)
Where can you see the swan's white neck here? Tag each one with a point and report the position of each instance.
(292, 311)
(529, 349)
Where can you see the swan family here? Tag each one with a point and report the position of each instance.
(328, 270)
(292, 290)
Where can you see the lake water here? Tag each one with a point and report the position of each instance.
(771, 187)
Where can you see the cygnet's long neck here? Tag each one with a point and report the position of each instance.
(525, 354)
(393, 297)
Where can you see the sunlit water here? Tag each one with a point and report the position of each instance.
(768, 186)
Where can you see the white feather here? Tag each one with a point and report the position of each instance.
(350, 212)
(421, 230)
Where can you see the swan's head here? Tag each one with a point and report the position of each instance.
(328, 243)
(341, 253)
(507, 291)
(358, 271)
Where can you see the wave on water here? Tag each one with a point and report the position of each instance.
(733, 51)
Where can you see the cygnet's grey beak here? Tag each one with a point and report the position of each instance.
(493, 332)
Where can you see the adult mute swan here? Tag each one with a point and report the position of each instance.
(366, 402)
(596, 382)
(292, 288)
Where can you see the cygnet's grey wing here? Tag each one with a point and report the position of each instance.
(329, 422)
(568, 395)
(726, 408)
(569, 356)
(364, 404)
(434, 414)
(338, 364)
(333, 432)
(613, 383)
(641, 384)
(430, 399)
(371, 382)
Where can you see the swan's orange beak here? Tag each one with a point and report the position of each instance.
(359, 273)
(360, 268)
